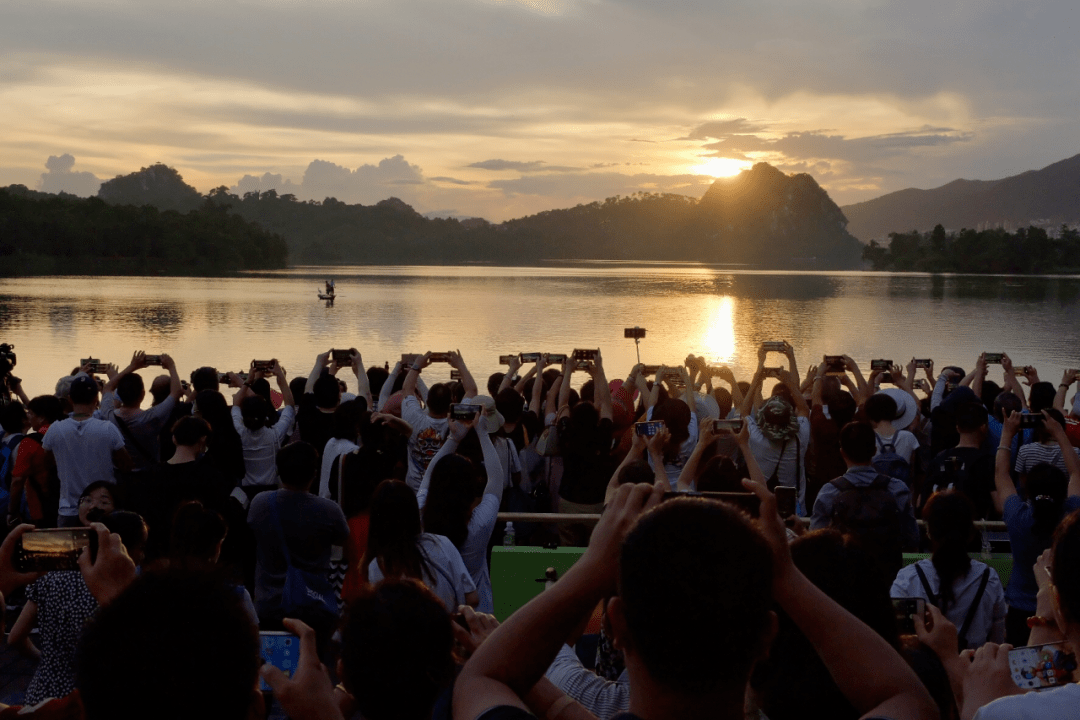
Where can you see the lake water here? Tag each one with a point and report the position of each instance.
(487, 311)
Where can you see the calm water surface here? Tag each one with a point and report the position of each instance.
(488, 311)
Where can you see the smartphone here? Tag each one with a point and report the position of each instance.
(1075, 374)
(530, 357)
(455, 374)
(774, 346)
(993, 358)
(1021, 371)
(714, 371)
(96, 366)
(906, 610)
(886, 377)
(585, 354)
(734, 425)
(152, 360)
(785, 500)
(408, 359)
(223, 377)
(443, 357)
(880, 364)
(772, 372)
(1042, 666)
(341, 358)
(748, 502)
(264, 366)
(647, 370)
(556, 358)
(924, 363)
(281, 650)
(53, 549)
(1030, 420)
(583, 365)
(835, 365)
(634, 333)
(648, 429)
(505, 359)
(464, 411)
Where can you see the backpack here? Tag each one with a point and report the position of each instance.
(870, 515)
(7, 466)
(889, 463)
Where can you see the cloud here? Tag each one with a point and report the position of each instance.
(251, 183)
(60, 178)
(596, 186)
(452, 181)
(723, 129)
(508, 165)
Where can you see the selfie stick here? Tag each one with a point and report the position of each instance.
(637, 343)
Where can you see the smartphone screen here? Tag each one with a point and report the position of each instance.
(464, 411)
(281, 650)
(585, 354)
(341, 357)
(52, 549)
(648, 429)
(880, 364)
(734, 425)
(924, 363)
(993, 358)
(1042, 666)
(906, 609)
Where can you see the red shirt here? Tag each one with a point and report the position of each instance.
(30, 464)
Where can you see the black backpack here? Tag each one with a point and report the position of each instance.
(888, 462)
(870, 515)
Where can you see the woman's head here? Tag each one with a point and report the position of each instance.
(97, 500)
(256, 412)
(1046, 489)
(394, 531)
(452, 495)
(197, 533)
(720, 475)
(132, 531)
(675, 415)
(950, 524)
(210, 405)
(348, 417)
(1066, 572)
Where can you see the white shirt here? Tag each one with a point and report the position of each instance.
(767, 453)
(84, 453)
(334, 449)
(261, 446)
(1055, 704)
(988, 625)
(449, 579)
(904, 443)
(427, 437)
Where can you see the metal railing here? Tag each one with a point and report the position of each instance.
(989, 525)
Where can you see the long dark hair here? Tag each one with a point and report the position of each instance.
(256, 412)
(676, 417)
(450, 498)
(950, 522)
(394, 533)
(1046, 489)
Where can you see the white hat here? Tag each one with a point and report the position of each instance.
(493, 419)
(906, 408)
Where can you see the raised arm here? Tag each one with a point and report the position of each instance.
(409, 386)
(793, 367)
(551, 403)
(564, 391)
(846, 645)
(321, 361)
(1067, 379)
(363, 385)
(1068, 454)
(457, 362)
(138, 362)
(725, 373)
(747, 406)
(689, 471)
(979, 376)
(538, 386)
(601, 391)
(492, 465)
(283, 385)
(860, 382)
(457, 431)
(388, 387)
(752, 467)
(1002, 460)
(792, 382)
(1010, 382)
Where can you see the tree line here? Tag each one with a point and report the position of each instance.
(1029, 250)
(45, 234)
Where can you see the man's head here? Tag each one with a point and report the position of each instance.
(131, 390)
(438, 399)
(84, 390)
(723, 400)
(676, 609)
(1041, 396)
(44, 410)
(205, 378)
(298, 464)
(139, 654)
(160, 388)
(510, 405)
(493, 382)
(13, 417)
(858, 443)
(191, 431)
(327, 391)
(971, 418)
(1006, 403)
(396, 650)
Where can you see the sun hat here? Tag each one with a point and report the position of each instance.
(493, 419)
(906, 408)
(777, 419)
(706, 406)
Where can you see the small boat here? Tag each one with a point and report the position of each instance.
(324, 296)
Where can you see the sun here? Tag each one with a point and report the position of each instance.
(720, 167)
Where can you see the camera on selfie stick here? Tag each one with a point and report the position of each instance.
(636, 333)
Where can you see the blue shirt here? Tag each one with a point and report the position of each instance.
(1019, 518)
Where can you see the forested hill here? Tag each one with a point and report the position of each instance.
(761, 217)
(1048, 198)
(44, 234)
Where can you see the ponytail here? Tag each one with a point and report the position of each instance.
(950, 521)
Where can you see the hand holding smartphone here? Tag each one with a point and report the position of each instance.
(280, 649)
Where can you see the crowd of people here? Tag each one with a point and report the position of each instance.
(748, 560)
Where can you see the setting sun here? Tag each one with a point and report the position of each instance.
(720, 167)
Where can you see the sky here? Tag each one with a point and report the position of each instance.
(505, 108)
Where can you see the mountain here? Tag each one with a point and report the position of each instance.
(760, 217)
(1046, 198)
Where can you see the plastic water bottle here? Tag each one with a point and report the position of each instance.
(508, 536)
(985, 545)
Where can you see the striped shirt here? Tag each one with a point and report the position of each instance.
(1034, 454)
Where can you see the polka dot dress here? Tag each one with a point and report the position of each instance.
(64, 604)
